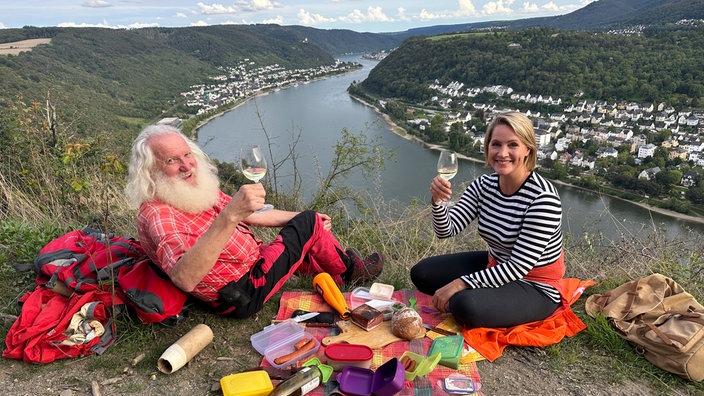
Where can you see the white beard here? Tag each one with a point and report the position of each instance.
(189, 198)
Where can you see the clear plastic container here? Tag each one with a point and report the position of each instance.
(278, 339)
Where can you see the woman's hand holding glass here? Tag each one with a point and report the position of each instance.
(440, 188)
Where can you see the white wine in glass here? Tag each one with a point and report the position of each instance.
(447, 166)
(253, 166)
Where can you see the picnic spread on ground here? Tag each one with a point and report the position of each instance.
(346, 357)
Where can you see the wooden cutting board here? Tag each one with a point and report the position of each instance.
(377, 337)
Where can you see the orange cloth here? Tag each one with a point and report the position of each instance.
(491, 342)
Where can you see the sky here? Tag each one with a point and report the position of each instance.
(374, 16)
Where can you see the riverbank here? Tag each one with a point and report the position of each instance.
(246, 99)
(400, 131)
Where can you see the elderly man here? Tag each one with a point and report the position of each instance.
(202, 239)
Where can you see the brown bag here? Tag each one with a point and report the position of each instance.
(665, 323)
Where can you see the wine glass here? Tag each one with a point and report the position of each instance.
(447, 167)
(253, 165)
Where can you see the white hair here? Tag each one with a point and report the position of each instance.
(142, 174)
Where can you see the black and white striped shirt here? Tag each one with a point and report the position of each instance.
(522, 230)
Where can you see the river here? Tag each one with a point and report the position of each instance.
(318, 111)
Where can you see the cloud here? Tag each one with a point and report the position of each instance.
(96, 4)
(2, 26)
(532, 7)
(215, 8)
(498, 7)
(106, 25)
(307, 19)
(181, 15)
(551, 6)
(278, 20)
(466, 8)
(257, 5)
(401, 14)
(426, 15)
(373, 14)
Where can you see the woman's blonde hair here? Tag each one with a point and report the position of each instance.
(522, 127)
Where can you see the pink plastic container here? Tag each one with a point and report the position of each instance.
(340, 356)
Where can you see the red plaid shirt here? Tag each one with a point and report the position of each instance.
(166, 233)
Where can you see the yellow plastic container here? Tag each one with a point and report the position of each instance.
(250, 383)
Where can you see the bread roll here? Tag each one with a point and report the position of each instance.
(406, 323)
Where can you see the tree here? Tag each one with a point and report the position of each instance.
(668, 178)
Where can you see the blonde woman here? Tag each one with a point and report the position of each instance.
(519, 215)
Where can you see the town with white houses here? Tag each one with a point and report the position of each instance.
(611, 125)
(247, 79)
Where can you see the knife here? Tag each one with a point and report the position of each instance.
(301, 318)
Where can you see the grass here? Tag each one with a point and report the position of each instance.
(400, 231)
(404, 238)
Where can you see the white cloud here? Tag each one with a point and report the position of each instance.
(257, 5)
(498, 7)
(96, 4)
(531, 7)
(551, 6)
(308, 19)
(200, 23)
(216, 8)
(278, 20)
(74, 24)
(466, 8)
(181, 15)
(2, 26)
(426, 15)
(106, 25)
(373, 14)
(401, 14)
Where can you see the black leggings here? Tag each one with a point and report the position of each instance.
(509, 305)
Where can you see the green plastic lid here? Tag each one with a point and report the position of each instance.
(450, 349)
(325, 370)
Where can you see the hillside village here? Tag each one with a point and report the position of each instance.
(611, 125)
(247, 79)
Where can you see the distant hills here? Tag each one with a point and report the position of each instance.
(109, 80)
(598, 15)
(106, 78)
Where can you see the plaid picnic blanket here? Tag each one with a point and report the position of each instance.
(430, 384)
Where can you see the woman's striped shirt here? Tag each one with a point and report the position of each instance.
(522, 230)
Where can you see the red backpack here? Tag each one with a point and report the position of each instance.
(83, 278)
(86, 260)
(52, 326)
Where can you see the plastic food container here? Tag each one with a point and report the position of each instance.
(424, 365)
(340, 356)
(325, 370)
(278, 339)
(450, 349)
(251, 383)
(381, 291)
(387, 380)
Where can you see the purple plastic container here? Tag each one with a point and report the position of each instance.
(386, 381)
